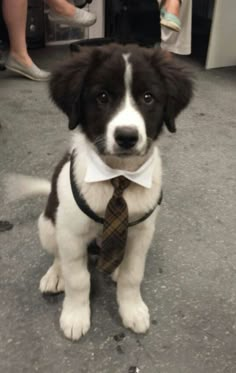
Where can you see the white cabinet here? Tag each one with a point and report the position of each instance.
(222, 44)
(98, 29)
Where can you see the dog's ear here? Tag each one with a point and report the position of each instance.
(179, 85)
(67, 82)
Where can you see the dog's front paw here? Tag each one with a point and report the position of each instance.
(75, 322)
(52, 281)
(135, 315)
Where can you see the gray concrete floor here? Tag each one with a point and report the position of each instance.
(190, 281)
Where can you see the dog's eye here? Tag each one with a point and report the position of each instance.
(148, 98)
(103, 97)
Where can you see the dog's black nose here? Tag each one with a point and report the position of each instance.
(126, 137)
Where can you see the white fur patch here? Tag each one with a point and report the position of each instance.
(47, 234)
(75, 320)
(52, 281)
(127, 115)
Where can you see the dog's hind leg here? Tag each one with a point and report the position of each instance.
(47, 235)
(52, 281)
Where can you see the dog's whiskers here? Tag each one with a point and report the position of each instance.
(100, 142)
(149, 143)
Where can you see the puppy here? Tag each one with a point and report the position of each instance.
(117, 100)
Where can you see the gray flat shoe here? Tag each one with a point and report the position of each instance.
(81, 18)
(32, 72)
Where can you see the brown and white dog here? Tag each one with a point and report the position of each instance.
(117, 99)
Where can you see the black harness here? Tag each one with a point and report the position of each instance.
(82, 204)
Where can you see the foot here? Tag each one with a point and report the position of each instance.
(75, 321)
(52, 281)
(25, 66)
(23, 59)
(170, 14)
(135, 315)
(80, 18)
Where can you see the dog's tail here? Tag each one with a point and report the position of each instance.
(19, 186)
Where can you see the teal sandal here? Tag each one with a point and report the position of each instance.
(170, 20)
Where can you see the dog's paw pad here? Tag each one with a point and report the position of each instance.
(75, 323)
(51, 282)
(135, 316)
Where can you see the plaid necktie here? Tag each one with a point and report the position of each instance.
(115, 228)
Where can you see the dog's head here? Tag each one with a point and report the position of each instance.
(121, 96)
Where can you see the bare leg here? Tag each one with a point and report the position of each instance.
(19, 61)
(172, 6)
(15, 13)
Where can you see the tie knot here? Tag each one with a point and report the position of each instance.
(120, 183)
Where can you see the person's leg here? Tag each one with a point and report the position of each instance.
(19, 61)
(172, 6)
(15, 13)
(179, 43)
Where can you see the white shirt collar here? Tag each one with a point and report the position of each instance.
(97, 170)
